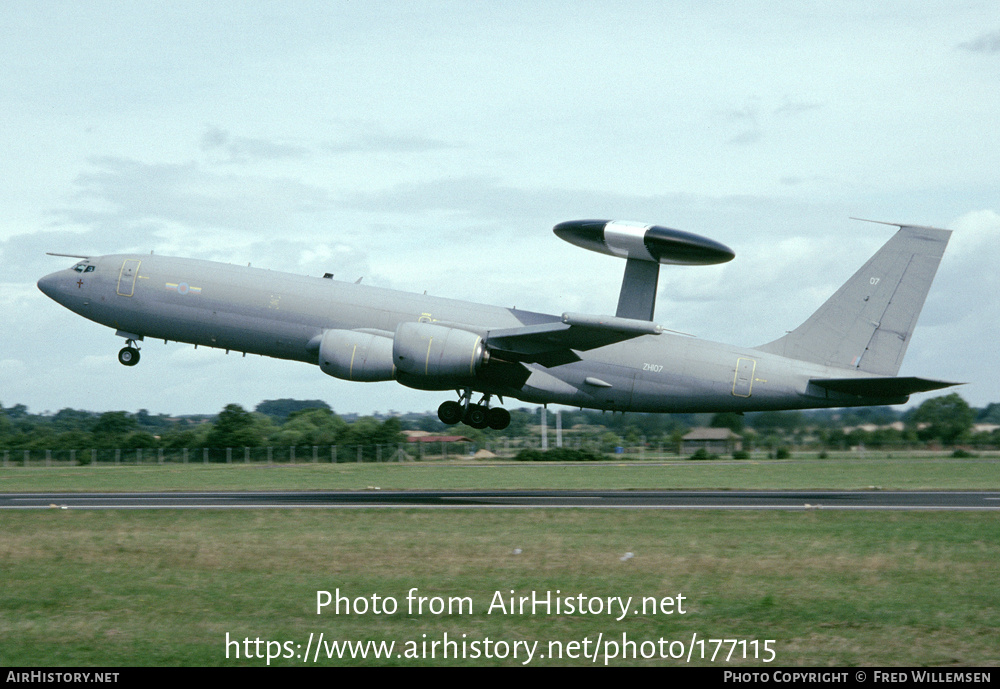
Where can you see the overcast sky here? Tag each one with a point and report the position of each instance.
(432, 146)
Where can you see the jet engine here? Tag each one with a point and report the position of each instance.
(353, 355)
(435, 351)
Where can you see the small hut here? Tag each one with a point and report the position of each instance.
(715, 441)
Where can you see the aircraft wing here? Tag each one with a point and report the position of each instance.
(553, 344)
(880, 387)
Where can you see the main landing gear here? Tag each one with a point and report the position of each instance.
(474, 415)
(129, 354)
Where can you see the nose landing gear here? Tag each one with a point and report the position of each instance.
(474, 415)
(129, 354)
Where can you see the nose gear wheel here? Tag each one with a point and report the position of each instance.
(129, 354)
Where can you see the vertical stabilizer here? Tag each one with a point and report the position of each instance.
(867, 324)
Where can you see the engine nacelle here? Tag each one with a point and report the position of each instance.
(436, 351)
(352, 355)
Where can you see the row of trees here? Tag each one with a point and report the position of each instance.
(946, 420)
(233, 427)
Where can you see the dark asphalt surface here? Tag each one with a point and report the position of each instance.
(657, 499)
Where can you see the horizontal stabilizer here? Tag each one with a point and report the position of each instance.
(880, 387)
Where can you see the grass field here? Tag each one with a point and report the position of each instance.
(164, 588)
(121, 588)
(844, 473)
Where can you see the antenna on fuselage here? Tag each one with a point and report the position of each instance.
(644, 248)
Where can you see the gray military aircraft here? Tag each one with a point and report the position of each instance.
(846, 354)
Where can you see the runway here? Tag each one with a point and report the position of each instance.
(615, 499)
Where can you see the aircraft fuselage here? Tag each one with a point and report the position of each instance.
(281, 315)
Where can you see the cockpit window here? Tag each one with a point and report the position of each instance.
(84, 268)
(90, 269)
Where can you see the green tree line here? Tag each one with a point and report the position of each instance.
(234, 426)
(946, 421)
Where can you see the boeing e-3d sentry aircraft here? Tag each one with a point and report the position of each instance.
(846, 354)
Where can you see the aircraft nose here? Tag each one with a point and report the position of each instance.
(49, 285)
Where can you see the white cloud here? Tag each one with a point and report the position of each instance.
(986, 43)
(975, 232)
(242, 149)
(10, 368)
